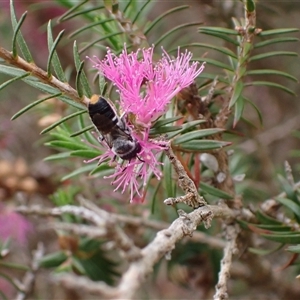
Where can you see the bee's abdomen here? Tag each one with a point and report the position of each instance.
(102, 115)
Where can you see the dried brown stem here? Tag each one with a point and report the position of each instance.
(191, 197)
(42, 75)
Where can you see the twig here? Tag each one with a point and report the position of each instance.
(113, 231)
(162, 245)
(42, 75)
(96, 232)
(28, 281)
(139, 268)
(78, 229)
(224, 274)
(191, 197)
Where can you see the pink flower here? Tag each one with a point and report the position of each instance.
(14, 226)
(146, 88)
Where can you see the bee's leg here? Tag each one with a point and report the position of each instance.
(123, 125)
(140, 159)
(100, 138)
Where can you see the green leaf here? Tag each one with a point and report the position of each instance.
(84, 169)
(283, 238)
(214, 191)
(274, 227)
(21, 42)
(271, 84)
(197, 134)
(223, 50)
(163, 129)
(174, 29)
(162, 16)
(58, 156)
(222, 36)
(66, 145)
(53, 57)
(103, 38)
(278, 31)
(33, 104)
(11, 281)
(61, 134)
(51, 90)
(250, 4)
(168, 180)
(78, 85)
(263, 252)
(272, 54)
(76, 265)
(256, 109)
(69, 14)
(185, 127)
(202, 145)
(274, 41)
(96, 266)
(8, 82)
(53, 259)
(287, 187)
(71, 10)
(11, 71)
(265, 219)
(102, 170)
(16, 32)
(237, 92)
(102, 84)
(238, 110)
(271, 72)
(166, 121)
(84, 12)
(295, 249)
(85, 153)
(287, 232)
(62, 120)
(55, 60)
(290, 204)
(190, 125)
(140, 11)
(211, 77)
(82, 77)
(218, 30)
(83, 130)
(14, 266)
(80, 30)
(214, 62)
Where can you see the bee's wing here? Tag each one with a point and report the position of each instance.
(107, 138)
(114, 134)
(118, 132)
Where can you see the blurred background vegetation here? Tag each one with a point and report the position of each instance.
(261, 148)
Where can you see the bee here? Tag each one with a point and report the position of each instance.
(113, 129)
